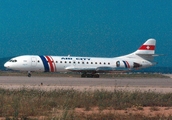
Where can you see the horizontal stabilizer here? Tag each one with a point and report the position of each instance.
(155, 55)
(152, 55)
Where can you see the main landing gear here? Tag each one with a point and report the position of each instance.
(29, 74)
(84, 75)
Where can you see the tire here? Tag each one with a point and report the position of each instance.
(96, 76)
(83, 75)
(29, 75)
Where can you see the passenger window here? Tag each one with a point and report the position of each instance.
(82, 62)
(100, 63)
(108, 63)
(56, 61)
(95, 62)
(104, 63)
(60, 61)
(91, 62)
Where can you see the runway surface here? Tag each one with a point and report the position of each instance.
(50, 83)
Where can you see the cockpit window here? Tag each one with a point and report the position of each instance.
(13, 61)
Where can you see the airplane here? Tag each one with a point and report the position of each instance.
(87, 66)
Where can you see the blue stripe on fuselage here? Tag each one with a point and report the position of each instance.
(125, 64)
(46, 67)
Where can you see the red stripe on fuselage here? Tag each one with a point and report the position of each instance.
(53, 63)
(147, 47)
(128, 64)
(50, 63)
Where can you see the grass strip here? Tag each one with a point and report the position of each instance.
(24, 103)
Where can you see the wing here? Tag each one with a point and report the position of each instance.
(94, 69)
(88, 70)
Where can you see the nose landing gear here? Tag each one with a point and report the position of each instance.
(29, 74)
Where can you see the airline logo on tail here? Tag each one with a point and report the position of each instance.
(147, 47)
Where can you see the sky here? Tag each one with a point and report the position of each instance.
(100, 28)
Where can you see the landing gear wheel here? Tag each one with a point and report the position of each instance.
(89, 75)
(29, 75)
(96, 76)
(83, 75)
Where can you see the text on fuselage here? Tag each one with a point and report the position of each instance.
(68, 58)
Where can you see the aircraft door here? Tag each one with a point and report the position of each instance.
(118, 64)
(33, 61)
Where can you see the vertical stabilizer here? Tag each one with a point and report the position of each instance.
(148, 48)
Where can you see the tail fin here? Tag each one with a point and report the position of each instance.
(146, 51)
(148, 48)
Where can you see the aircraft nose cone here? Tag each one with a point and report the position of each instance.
(6, 65)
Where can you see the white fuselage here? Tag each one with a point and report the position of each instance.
(67, 63)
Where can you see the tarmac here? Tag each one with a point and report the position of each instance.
(163, 85)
